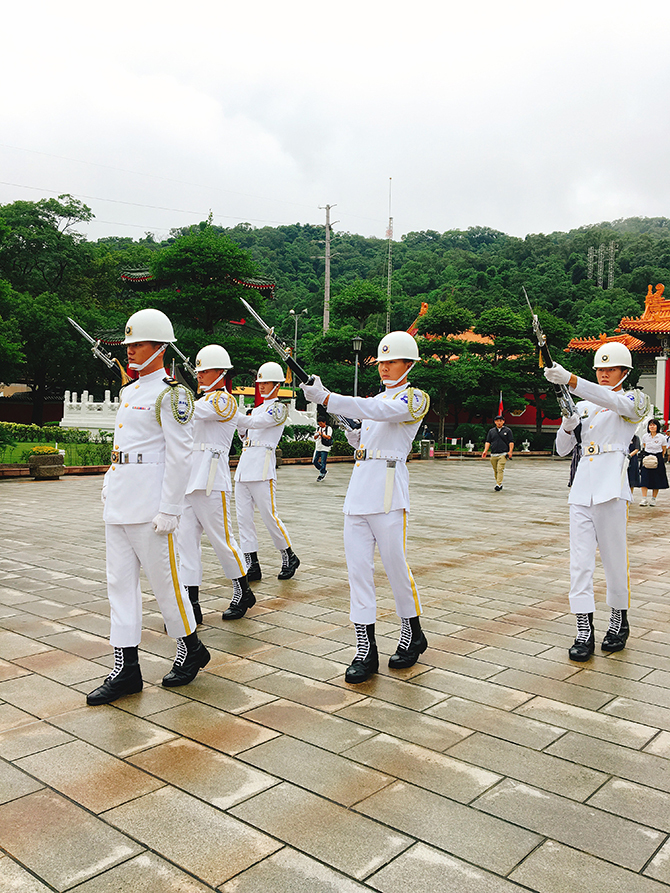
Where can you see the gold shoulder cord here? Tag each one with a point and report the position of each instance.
(227, 412)
(419, 411)
(641, 405)
(183, 416)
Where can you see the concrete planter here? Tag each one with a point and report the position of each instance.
(46, 467)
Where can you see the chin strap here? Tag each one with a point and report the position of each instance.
(215, 382)
(611, 387)
(388, 383)
(138, 367)
(272, 392)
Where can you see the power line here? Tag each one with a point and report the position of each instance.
(167, 180)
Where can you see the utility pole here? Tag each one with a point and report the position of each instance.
(389, 236)
(326, 286)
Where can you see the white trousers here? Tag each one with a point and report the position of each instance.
(260, 494)
(128, 547)
(600, 526)
(389, 532)
(211, 514)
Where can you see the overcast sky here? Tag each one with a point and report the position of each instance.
(521, 116)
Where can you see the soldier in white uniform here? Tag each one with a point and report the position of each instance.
(143, 495)
(600, 493)
(209, 490)
(256, 475)
(377, 501)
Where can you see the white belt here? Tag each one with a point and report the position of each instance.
(592, 449)
(260, 443)
(363, 455)
(214, 447)
(118, 456)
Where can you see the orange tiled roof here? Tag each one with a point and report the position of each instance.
(656, 316)
(634, 345)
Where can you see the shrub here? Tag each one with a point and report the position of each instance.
(294, 449)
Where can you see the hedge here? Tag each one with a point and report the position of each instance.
(12, 431)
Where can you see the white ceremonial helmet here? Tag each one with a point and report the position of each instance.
(213, 356)
(612, 353)
(149, 325)
(398, 346)
(270, 372)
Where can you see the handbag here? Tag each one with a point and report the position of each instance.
(650, 460)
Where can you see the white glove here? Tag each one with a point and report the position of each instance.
(556, 374)
(570, 422)
(165, 524)
(315, 392)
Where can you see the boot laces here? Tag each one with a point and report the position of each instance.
(616, 620)
(405, 633)
(118, 664)
(237, 593)
(182, 652)
(247, 558)
(285, 560)
(584, 628)
(362, 642)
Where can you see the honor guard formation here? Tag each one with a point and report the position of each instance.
(169, 481)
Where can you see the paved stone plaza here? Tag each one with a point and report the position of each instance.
(493, 765)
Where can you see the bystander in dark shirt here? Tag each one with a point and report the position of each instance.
(500, 440)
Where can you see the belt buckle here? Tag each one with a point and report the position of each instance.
(359, 454)
(592, 449)
(116, 456)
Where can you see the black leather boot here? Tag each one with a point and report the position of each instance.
(618, 632)
(125, 678)
(585, 643)
(289, 564)
(253, 566)
(366, 660)
(191, 657)
(194, 598)
(243, 598)
(412, 644)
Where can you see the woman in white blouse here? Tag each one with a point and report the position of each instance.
(653, 444)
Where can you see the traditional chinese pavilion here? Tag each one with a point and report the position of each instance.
(648, 339)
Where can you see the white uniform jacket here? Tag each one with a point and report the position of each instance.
(262, 431)
(215, 423)
(153, 442)
(390, 421)
(609, 419)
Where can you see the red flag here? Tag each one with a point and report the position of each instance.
(500, 405)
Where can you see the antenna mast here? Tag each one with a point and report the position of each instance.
(389, 236)
(326, 285)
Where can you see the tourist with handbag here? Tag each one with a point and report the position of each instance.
(652, 472)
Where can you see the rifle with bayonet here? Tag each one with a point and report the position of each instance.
(295, 367)
(563, 395)
(104, 355)
(186, 363)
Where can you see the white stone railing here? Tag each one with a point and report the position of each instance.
(88, 414)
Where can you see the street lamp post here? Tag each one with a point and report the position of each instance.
(296, 317)
(357, 344)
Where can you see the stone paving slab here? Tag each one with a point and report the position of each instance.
(494, 765)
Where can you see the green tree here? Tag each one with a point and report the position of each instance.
(441, 355)
(201, 269)
(39, 250)
(358, 301)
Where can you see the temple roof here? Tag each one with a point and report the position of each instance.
(143, 274)
(588, 345)
(656, 317)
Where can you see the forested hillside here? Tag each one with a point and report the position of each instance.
(469, 279)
